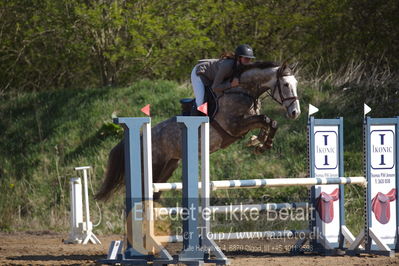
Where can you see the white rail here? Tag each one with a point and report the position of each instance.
(275, 182)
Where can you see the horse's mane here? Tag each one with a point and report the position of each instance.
(260, 64)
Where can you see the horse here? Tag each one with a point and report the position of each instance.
(238, 113)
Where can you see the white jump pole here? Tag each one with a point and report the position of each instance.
(87, 227)
(208, 242)
(272, 182)
(151, 244)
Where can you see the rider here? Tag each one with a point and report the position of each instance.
(217, 73)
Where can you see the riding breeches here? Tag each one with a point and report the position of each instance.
(198, 86)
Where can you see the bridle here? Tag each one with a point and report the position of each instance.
(277, 87)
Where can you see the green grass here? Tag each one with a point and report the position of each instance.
(44, 135)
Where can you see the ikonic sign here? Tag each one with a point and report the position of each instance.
(326, 154)
(382, 179)
(382, 149)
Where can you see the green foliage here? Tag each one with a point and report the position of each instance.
(68, 44)
(110, 129)
(53, 53)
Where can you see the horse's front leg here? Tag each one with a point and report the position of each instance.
(268, 128)
(268, 141)
(255, 141)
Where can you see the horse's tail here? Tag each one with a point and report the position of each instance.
(114, 173)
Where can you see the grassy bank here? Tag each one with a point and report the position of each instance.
(44, 135)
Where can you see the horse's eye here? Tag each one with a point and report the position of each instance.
(286, 84)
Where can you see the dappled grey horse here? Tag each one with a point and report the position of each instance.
(238, 113)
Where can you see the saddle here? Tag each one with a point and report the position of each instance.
(325, 205)
(381, 206)
(189, 107)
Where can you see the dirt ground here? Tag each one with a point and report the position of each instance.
(47, 248)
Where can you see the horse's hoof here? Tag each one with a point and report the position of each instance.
(253, 141)
(259, 150)
(268, 145)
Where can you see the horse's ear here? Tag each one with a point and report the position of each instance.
(285, 65)
(285, 68)
(282, 68)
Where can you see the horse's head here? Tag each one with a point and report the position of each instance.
(278, 81)
(285, 91)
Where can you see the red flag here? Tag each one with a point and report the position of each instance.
(203, 108)
(146, 109)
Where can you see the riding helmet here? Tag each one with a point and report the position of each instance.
(244, 50)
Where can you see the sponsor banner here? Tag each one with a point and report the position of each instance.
(326, 165)
(382, 182)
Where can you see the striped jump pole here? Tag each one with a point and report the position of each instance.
(266, 182)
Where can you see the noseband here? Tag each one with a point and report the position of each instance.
(277, 87)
